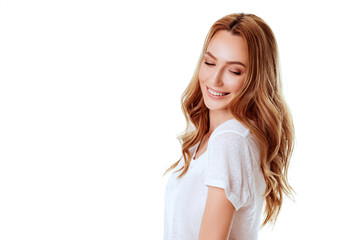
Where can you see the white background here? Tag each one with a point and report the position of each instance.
(90, 110)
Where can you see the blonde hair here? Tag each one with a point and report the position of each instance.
(259, 106)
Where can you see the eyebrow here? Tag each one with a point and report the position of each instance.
(229, 62)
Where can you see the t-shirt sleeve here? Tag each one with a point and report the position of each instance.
(229, 167)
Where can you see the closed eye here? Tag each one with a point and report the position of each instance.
(210, 64)
(236, 73)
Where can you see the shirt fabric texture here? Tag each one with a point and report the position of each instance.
(232, 162)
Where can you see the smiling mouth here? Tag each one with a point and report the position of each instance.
(216, 93)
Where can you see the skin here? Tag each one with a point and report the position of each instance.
(223, 69)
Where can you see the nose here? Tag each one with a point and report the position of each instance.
(216, 78)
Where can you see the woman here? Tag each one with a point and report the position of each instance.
(239, 137)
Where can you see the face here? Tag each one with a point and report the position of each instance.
(223, 70)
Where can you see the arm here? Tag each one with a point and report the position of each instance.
(218, 216)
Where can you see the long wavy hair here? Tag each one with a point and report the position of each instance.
(259, 106)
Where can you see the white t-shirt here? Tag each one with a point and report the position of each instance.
(231, 162)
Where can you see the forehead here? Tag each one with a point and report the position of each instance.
(228, 47)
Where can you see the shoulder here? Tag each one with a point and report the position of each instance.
(233, 133)
(231, 127)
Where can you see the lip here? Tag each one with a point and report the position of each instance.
(213, 96)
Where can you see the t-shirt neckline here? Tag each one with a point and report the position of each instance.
(196, 149)
(197, 144)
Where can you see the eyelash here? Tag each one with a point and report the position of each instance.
(211, 64)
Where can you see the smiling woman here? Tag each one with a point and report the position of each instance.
(222, 71)
(239, 137)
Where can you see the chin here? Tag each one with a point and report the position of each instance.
(215, 107)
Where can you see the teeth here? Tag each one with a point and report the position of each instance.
(215, 93)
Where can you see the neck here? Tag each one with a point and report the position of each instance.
(218, 117)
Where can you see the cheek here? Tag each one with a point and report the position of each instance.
(203, 74)
(235, 84)
(239, 84)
